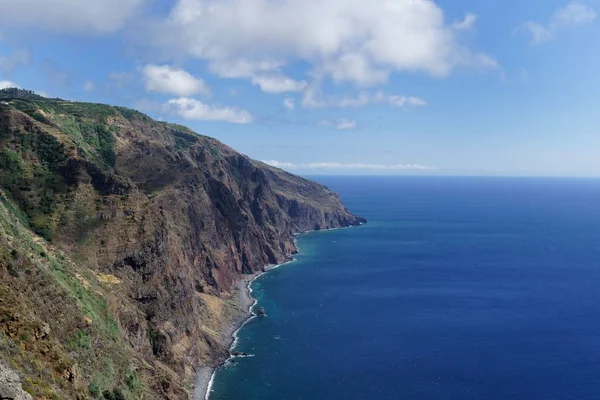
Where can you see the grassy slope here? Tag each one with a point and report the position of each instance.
(42, 289)
(55, 325)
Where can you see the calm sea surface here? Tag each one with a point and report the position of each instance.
(458, 288)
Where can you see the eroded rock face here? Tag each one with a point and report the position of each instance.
(10, 385)
(165, 219)
(214, 215)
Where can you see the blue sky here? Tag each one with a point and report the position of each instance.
(461, 87)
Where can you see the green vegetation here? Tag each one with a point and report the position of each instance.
(10, 165)
(132, 380)
(183, 139)
(81, 340)
(94, 389)
(115, 394)
(214, 151)
(13, 92)
(48, 358)
(84, 123)
(34, 160)
(90, 304)
(50, 151)
(131, 115)
(101, 139)
(36, 189)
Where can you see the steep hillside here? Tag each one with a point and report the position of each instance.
(121, 242)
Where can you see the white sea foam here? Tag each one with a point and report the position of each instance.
(255, 302)
(210, 385)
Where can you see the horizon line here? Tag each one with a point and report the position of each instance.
(449, 176)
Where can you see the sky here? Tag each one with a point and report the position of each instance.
(411, 87)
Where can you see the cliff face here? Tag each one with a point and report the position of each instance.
(147, 226)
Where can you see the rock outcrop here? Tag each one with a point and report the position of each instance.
(10, 385)
(147, 227)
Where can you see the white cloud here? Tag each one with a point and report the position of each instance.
(345, 124)
(485, 62)
(278, 84)
(574, 14)
(266, 75)
(89, 17)
(356, 68)
(17, 58)
(466, 24)
(193, 109)
(166, 79)
(290, 104)
(539, 33)
(242, 68)
(348, 40)
(7, 84)
(340, 124)
(313, 98)
(88, 86)
(349, 166)
(279, 164)
(399, 101)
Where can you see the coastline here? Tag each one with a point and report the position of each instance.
(206, 375)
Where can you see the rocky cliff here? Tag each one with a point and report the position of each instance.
(121, 242)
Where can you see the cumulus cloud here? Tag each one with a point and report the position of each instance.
(313, 98)
(340, 124)
(192, 109)
(574, 14)
(349, 166)
(265, 74)
(170, 80)
(89, 17)
(348, 40)
(288, 103)
(7, 84)
(17, 58)
(355, 67)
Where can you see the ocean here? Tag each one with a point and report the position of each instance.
(457, 288)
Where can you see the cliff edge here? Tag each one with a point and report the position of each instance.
(121, 242)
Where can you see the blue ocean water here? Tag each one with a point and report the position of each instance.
(457, 288)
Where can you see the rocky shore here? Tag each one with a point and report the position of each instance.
(244, 302)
